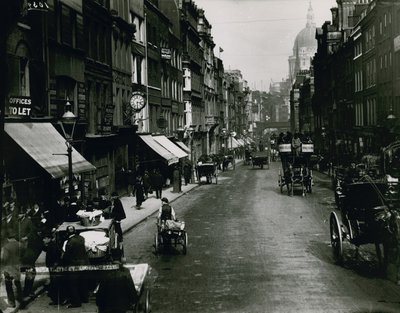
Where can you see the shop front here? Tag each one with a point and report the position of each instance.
(37, 166)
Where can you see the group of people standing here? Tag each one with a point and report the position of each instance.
(27, 231)
(22, 243)
(146, 184)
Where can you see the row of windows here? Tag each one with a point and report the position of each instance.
(122, 52)
(358, 49)
(369, 36)
(370, 73)
(358, 81)
(138, 69)
(383, 23)
(385, 60)
(371, 112)
(139, 34)
(370, 117)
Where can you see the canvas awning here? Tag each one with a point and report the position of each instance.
(159, 149)
(170, 146)
(182, 146)
(241, 142)
(43, 143)
(232, 143)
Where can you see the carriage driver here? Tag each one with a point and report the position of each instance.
(166, 211)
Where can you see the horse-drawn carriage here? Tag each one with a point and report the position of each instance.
(260, 158)
(296, 168)
(228, 159)
(369, 209)
(207, 170)
(367, 216)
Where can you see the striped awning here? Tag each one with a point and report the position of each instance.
(232, 143)
(170, 146)
(43, 143)
(182, 146)
(159, 149)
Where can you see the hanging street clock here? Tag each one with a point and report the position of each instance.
(137, 101)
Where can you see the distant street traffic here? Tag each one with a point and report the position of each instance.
(252, 249)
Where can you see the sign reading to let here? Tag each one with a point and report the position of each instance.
(19, 106)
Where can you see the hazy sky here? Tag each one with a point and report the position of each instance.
(257, 36)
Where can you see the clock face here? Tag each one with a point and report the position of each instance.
(137, 102)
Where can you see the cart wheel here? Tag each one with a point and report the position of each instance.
(185, 243)
(147, 306)
(336, 238)
(216, 179)
(156, 243)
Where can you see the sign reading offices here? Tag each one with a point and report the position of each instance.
(19, 106)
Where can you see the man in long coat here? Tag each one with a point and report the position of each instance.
(75, 254)
(117, 292)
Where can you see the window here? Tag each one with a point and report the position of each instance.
(24, 77)
(134, 69)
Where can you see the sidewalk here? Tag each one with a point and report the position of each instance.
(134, 216)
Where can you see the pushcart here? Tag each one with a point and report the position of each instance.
(170, 234)
(101, 240)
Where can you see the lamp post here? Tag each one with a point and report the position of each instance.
(67, 123)
(190, 132)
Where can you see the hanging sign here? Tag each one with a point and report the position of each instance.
(166, 53)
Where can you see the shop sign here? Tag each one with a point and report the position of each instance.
(210, 120)
(166, 53)
(108, 114)
(37, 5)
(19, 106)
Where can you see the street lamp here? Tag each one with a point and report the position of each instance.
(67, 123)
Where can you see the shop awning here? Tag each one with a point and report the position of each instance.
(241, 142)
(182, 146)
(159, 149)
(232, 143)
(43, 143)
(170, 146)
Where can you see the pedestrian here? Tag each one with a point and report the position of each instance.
(104, 202)
(176, 179)
(187, 172)
(10, 261)
(117, 292)
(158, 183)
(74, 255)
(53, 259)
(32, 246)
(73, 208)
(146, 183)
(118, 214)
(139, 193)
